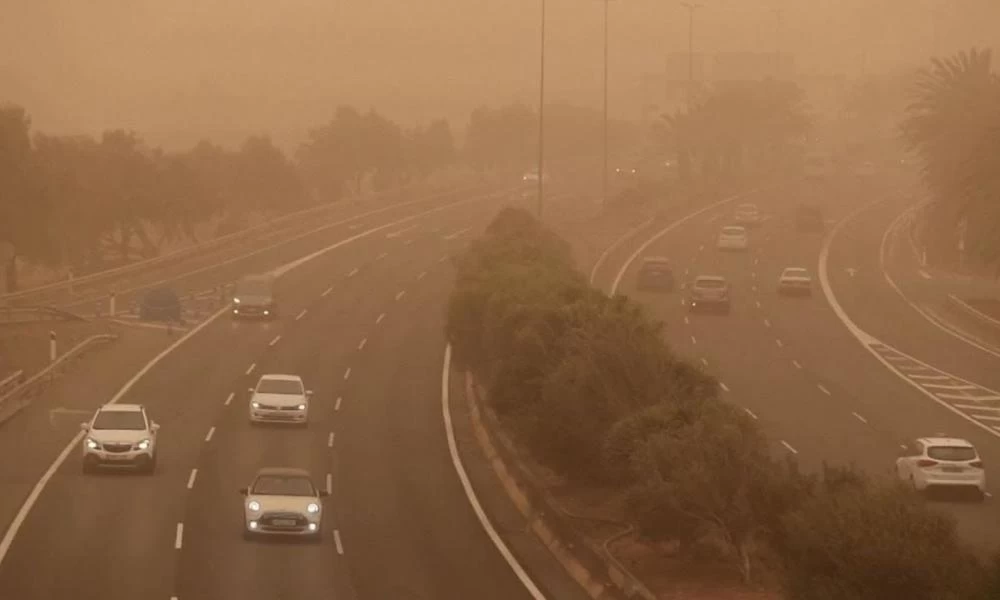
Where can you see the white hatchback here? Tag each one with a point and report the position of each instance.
(283, 502)
(733, 237)
(941, 462)
(279, 399)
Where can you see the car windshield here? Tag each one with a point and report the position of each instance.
(710, 283)
(279, 386)
(120, 419)
(796, 272)
(959, 453)
(283, 485)
(253, 288)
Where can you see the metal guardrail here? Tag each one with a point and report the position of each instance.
(11, 381)
(29, 314)
(24, 394)
(975, 313)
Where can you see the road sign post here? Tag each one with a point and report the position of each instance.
(52, 346)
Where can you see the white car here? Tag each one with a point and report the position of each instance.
(120, 435)
(941, 462)
(733, 237)
(279, 399)
(283, 502)
(795, 281)
(747, 214)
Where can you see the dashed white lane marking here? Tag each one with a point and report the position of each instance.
(329, 483)
(179, 536)
(274, 341)
(362, 343)
(443, 258)
(924, 274)
(421, 275)
(754, 287)
(724, 387)
(757, 303)
(229, 398)
(381, 256)
(753, 275)
(457, 233)
(396, 234)
(336, 405)
(329, 441)
(860, 418)
(347, 374)
(211, 432)
(400, 294)
(337, 542)
(701, 248)
(408, 242)
(767, 323)
(796, 364)
(192, 477)
(354, 226)
(251, 368)
(750, 412)
(687, 321)
(693, 341)
(353, 272)
(327, 292)
(704, 361)
(789, 447)
(686, 270)
(779, 343)
(299, 316)
(823, 389)
(756, 260)
(379, 319)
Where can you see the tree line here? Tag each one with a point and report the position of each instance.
(84, 202)
(953, 126)
(589, 386)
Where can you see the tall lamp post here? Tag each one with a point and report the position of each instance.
(691, 8)
(541, 118)
(605, 179)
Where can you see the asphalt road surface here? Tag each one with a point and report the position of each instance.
(363, 325)
(819, 392)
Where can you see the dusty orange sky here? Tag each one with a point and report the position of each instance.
(183, 69)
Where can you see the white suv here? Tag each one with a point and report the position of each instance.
(120, 435)
(279, 399)
(941, 462)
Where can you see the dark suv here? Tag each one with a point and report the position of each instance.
(254, 298)
(709, 293)
(656, 274)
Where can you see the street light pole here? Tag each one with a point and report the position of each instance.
(605, 180)
(691, 8)
(541, 119)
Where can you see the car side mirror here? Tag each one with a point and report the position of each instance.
(323, 493)
(154, 427)
(85, 426)
(309, 392)
(244, 491)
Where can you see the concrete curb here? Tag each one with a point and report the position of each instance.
(971, 311)
(592, 567)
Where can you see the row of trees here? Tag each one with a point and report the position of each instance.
(588, 384)
(86, 203)
(953, 125)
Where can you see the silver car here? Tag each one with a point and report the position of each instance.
(279, 399)
(283, 502)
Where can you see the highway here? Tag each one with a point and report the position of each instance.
(363, 325)
(791, 363)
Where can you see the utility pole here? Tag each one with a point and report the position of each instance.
(691, 8)
(605, 180)
(541, 119)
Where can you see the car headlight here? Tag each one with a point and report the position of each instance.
(92, 444)
(236, 300)
(302, 407)
(144, 445)
(255, 404)
(313, 508)
(254, 506)
(267, 312)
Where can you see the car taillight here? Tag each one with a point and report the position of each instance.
(926, 462)
(976, 463)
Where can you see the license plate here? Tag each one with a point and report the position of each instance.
(284, 522)
(117, 457)
(952, 469)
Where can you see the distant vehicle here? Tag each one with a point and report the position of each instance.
(747, 214)
(279, 399)
(120, 435)
(160, 304)
(733, 237)
(942, 462)
(254, 297)
(709, 293)
(809, 218)
(627, 171)
(283, 501)
(795, 281)
(817, 166)
(532, 177)
(656, 274)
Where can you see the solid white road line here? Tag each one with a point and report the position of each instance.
(229, 398)
(470, 493)
(724, 387)
(860, 418)
(337, 542)
(750, 412)
(362, 343)
(789, 447)
(191, 478)
(457, 233)
(400, 294)
(347, 374)
(924, 274)
(299, 316)
(329, 483)
(796, 364)
(336, 405)
(211, 432)
(978, 407)
(179, 536)
(421, 275)
(379, 319)
(251, 368)
(327, 291)
(274, 341)
(329, 441)
(621, 240)
(823, 389)
(965, 397)
(930, 377)
(941, 386)
(353, 272)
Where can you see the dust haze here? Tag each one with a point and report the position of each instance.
(184, 70)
